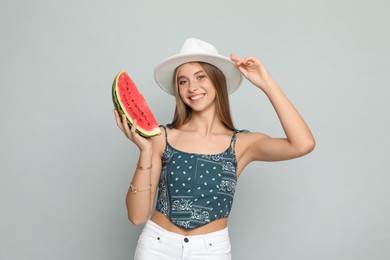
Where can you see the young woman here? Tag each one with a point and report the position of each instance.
(194, 164)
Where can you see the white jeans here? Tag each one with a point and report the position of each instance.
(156, 243)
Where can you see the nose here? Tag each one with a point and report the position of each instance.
(193, 86)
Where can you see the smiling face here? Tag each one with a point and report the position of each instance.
(195, 88)
(198, 86)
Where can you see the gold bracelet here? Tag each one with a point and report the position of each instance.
(143, 168)
(134, 190)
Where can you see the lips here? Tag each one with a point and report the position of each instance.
(196, 97)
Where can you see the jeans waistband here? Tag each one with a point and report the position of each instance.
(153, 227)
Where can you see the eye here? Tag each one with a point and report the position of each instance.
(200, 77)
(182, 81)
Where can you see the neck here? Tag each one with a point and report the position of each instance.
(204, 123)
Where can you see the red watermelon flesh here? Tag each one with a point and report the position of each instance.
(129, 101)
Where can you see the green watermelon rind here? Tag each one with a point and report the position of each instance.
(121, 111)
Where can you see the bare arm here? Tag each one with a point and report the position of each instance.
(259, 147)
(140, 197)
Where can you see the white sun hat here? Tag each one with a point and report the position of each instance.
(194, 50)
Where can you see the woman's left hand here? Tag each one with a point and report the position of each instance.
(253, 70)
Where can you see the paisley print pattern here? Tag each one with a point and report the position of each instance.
(196, 189)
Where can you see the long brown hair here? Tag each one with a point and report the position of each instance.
(183, 112)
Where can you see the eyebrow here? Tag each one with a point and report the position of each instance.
(200, 71)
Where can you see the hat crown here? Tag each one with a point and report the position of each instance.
(196, 46)
(195, 50)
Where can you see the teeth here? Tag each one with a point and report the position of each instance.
(197, 97)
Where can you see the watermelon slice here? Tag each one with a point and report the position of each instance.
(129, 101)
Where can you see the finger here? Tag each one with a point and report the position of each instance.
(249, 61)
(116, 114)
(134, 126)
(118, 119)
(125, 126)
(236, 59)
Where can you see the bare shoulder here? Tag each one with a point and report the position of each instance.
(246, 138)
(159, 142)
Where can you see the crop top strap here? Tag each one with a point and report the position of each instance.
(234, 138)
(233, 141)
(165, 130)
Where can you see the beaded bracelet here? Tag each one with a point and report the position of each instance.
(134, 190)
(144, 168)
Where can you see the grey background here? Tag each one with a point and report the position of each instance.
(65, 167)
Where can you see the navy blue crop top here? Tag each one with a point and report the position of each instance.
(196, 189)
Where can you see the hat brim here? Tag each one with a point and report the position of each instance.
(163, 73)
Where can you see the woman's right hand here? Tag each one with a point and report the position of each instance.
(143, 143)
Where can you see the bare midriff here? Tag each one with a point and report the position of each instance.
(161, 220)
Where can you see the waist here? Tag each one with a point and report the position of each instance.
(161, 220)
